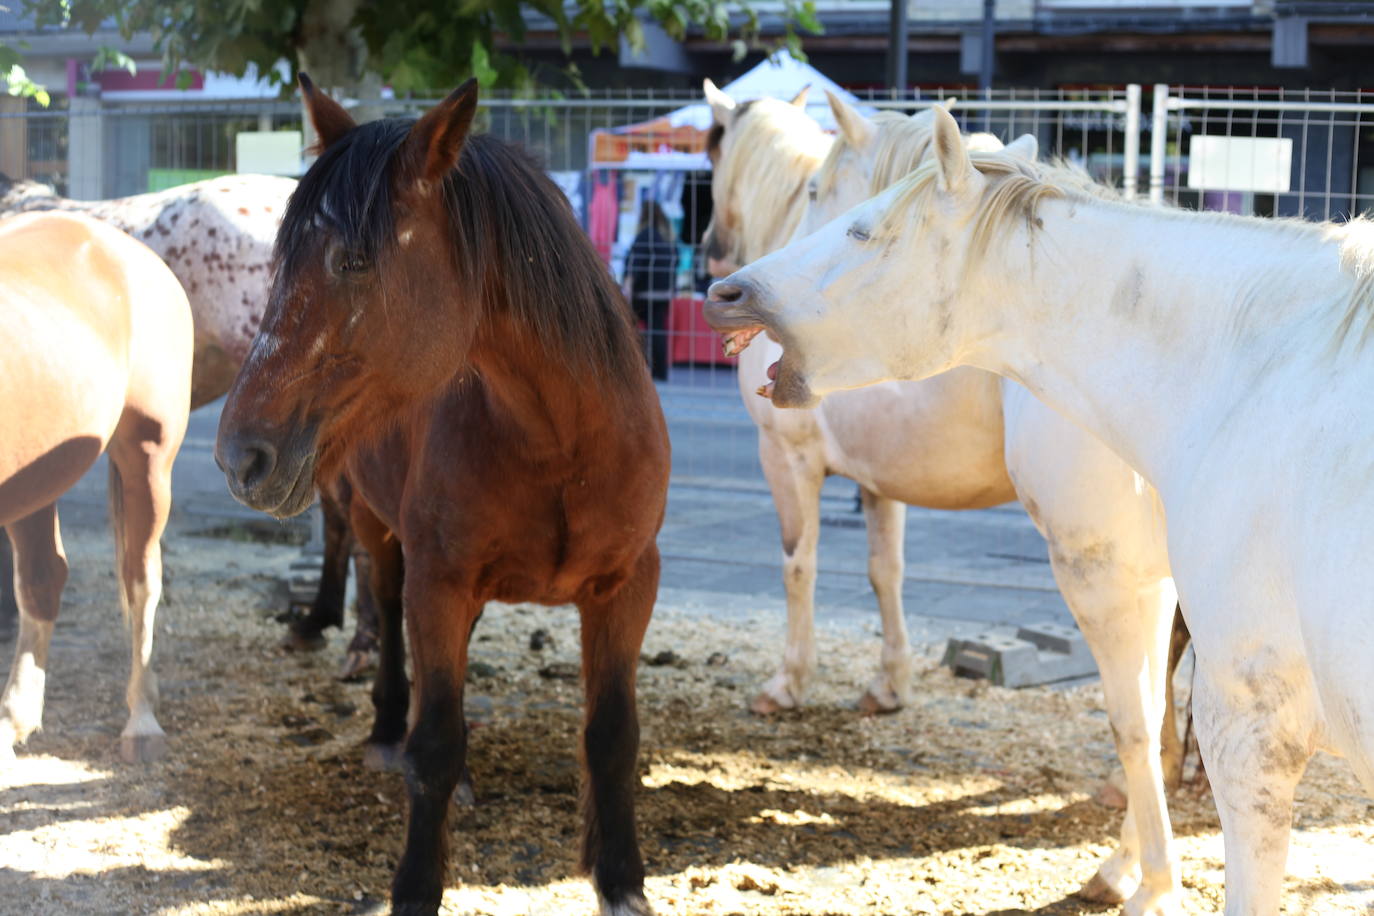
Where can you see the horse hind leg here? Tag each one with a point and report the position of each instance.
(795, 477)
(612, 632)
(40, 572)
(9, 605)
(886, 518)
(306, 634)
(140, 501)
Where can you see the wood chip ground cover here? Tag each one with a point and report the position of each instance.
(976, 800)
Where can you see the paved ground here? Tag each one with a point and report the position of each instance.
(965, 570)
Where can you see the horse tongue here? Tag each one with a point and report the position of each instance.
(766, 391)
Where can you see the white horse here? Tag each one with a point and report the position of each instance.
(1102, 522)
(1226, 358)
(937, 445)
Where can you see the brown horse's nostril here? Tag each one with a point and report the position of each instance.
(250, 464)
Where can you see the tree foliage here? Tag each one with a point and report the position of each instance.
(411, 44)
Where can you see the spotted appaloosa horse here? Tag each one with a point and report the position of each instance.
(441, 327)
(98, 345)
(216, 236)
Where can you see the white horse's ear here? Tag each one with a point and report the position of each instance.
(948, 103)
(854, 127)
(800, 98)
(951, 158)
(722, 106)
(1024, 146)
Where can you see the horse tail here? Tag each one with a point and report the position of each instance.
(115, 495)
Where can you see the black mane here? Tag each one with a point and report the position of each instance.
(514, 238)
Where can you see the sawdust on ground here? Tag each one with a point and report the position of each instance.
(976, 800)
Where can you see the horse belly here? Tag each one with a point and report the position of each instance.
(62, 392)
(936, 443)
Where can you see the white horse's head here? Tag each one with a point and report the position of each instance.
(762, 152)
(875, 293)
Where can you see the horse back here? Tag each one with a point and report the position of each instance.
(86, 314)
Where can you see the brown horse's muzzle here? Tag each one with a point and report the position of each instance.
(271, 472)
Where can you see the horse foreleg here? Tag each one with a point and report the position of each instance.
(612, 632)
(439, 618)
(1130, 639)
(9, 605)
(886, 518)
(40, 572)
(306, 633)
(1254, 728)
(140, 488)
(795, 477)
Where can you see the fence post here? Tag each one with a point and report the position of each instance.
(85, 149)
(1159, 135)
(1130, 165)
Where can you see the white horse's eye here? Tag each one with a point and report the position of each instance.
(811, 192)
(859, 233)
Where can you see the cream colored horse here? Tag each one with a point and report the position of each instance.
(1226, 358)
(98, 344)
(1102, 522)
(937, 445)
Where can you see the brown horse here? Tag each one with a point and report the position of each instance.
(98, 345)
(441, 328)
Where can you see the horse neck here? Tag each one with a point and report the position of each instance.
(556, 407)
(1146, 326)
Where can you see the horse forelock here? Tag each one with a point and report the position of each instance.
(774, 150)
(516, 244)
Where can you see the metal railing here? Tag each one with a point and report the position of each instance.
(1265, 152)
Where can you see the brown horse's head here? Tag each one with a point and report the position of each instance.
(368, 311)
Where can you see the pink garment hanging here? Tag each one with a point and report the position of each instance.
(603, 216)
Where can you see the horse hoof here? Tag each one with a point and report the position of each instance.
(357, 664)
(142, 748)
(463, 796)
(383, 758)
(1109, 795)
(870, 705)
(1099, 891)
(765, 705)
(632, 905)
(303, 642)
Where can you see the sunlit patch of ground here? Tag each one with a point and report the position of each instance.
(974, 801)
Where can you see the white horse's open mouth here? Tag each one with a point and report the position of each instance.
(734, 343)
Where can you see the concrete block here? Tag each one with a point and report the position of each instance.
(1039, 653)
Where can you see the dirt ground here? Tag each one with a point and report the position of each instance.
(976, 800)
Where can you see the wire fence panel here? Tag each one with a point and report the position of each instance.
(1265, 152)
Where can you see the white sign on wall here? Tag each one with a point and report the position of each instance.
(1262, 164)
(275, 152)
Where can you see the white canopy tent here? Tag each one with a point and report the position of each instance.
(677, 141)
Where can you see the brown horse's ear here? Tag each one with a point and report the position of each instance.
(328, 117)
(436, 140)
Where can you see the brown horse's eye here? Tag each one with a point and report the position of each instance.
(353, 263)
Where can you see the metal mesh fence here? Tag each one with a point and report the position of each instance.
(1265, 152)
